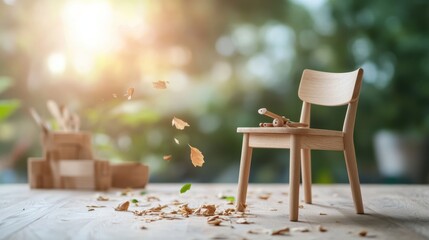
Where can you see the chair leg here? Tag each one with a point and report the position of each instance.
(352, 171)
(243, 179)
(306, 174)
(294, 172)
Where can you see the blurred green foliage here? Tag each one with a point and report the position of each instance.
(223, 61)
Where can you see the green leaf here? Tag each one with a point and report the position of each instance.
(7, 107)
(142, 192)
(134, 200)
(229, 198)
(185, 188)
(5, 83)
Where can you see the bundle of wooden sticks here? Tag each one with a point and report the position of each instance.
(279, 121)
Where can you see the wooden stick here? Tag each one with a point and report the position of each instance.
(264, 111)
(39, 120)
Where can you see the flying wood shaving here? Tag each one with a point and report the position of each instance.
(243, 221)
(197, 157)
(179, 123)
(176, 141)
(363, 233)
(129, 93)
(167, 157)
(160, 84)
(123, 206)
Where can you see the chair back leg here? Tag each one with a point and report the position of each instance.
(243, 179)
(306, 174)
(352, 171)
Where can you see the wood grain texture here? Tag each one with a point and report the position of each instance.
(392, 212)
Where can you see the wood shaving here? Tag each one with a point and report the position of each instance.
(281, 231)
(143, 228)
(185, 210)
(215, 222)
(102, 198)
(167, 157)
(176, 141)
(91, 209)
(127, 192)
(301, 206)
(206, 210)
(322, 229)
(300, 229)
(123, 206)
(279, 201)
(259, 231)
(243, 221)
(95, 206)
(228, 211)
(176, 202)
(152, 199)
(264, 196)
(273, 209)
(363, 233)
(322, 213)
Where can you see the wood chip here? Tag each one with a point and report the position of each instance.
(123, 206)
(301, 206)
(322, 213)
(363, 233)
(243, 221)
(91, 209)
(281, 231)
(143, 227)
(215, 222)
(102, 198)
(322, 229)
(95, 206)
(167, 157)
(273, 209)
(176, 141)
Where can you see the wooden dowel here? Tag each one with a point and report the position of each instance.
(264, 111)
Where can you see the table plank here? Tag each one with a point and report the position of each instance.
(392, 212)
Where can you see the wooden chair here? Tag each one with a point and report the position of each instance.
(321, 88)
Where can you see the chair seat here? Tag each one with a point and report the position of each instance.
(286, 130)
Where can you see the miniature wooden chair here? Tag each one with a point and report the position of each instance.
(321, 88)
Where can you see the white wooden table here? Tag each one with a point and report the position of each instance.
(392, 212)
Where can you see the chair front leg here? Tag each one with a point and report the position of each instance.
(243, 179)
(294, 177)
(306, 174)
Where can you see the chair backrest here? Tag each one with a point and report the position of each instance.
(330, 89)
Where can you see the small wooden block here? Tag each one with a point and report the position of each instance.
(133, 175)
(38, 173)
(103, 175)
